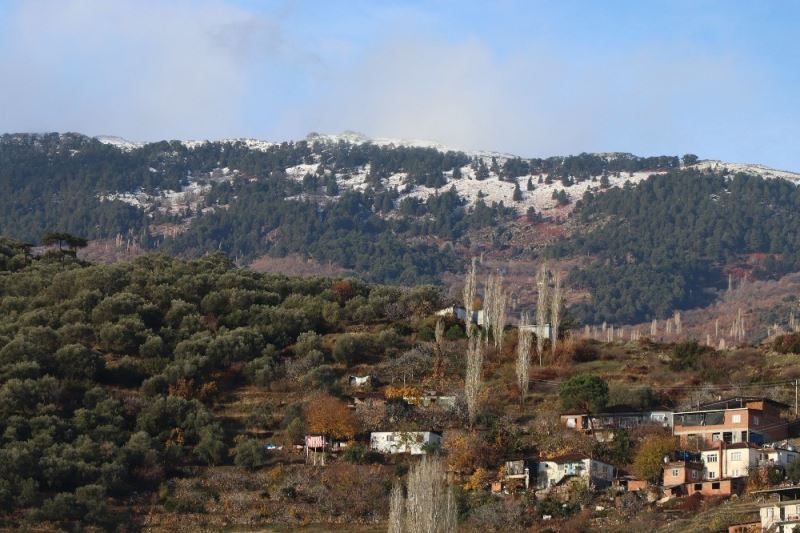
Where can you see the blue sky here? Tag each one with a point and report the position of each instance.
(719, 79)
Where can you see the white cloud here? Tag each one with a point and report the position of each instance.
(536, 101)
(147, 69)
(144, 69)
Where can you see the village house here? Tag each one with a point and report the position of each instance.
(737, 460)
(603, 425)
(721, 488)
(476, 317)
(551, 472)
(630, 484)
(533, 328)
(515, 474)
(781, 512)
(686, 477)
(776, 455)
(362, 381)
(431, 398)
(732, 420)
(678, 473)
(730, 460)
(413, 442)
(368, 400)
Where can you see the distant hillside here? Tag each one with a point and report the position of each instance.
(408, 211)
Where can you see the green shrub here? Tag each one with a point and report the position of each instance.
(454, 332)
(250, 454)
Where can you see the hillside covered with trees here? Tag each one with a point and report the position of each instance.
(164, 391)
(665, 243)
(403, 214)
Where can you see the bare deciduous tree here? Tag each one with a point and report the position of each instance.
(473, 378)
(470, 286)
(494, 309)
(439, 348)
(555, 312)
(429, 504)
(541, 310)
(524, 342)
(397, 511)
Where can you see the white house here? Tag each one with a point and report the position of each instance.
(533, 328)
(551, 472)
(782, 513)
(476, 317)
(736, 460)
(778, 456)
(412, 442)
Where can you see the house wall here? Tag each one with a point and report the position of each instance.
(635, 485)
(551, 473)
(723, 487)
(781, 457)
(779, 512)
(739, 461)
(403, 442)
(680, 472)
(616, 420)
(712, 465)
(601, 471)
(741, 423)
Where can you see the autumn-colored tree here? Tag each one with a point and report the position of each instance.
(468, 451)
(343, 290)
(404, 391)
(649, 460)
(478, 480)
(330, 416)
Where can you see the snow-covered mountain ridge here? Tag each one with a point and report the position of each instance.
(493, 188)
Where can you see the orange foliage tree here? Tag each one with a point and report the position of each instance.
(330, 416)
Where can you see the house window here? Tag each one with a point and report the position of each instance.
(755, 420)
(715, 437)
(711, 459)
(736, 456)
(694, 474)
(698, 486)
(674, 472)
(711, 474)
(715, 485)
(736, 419)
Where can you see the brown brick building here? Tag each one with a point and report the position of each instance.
(731, 420)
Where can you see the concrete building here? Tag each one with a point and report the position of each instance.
(615, 417)
(413, 442)
(780, 512)
(732, 420)
(551, 472)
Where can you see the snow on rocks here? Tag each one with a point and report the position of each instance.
(749, 168)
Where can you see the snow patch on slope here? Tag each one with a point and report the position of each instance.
(353, 137)
(750, 168)
(123, 144)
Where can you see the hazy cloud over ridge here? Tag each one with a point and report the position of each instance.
(520, 77)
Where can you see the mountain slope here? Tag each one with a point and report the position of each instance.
(409, 211)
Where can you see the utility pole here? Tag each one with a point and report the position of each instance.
(795, 398)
